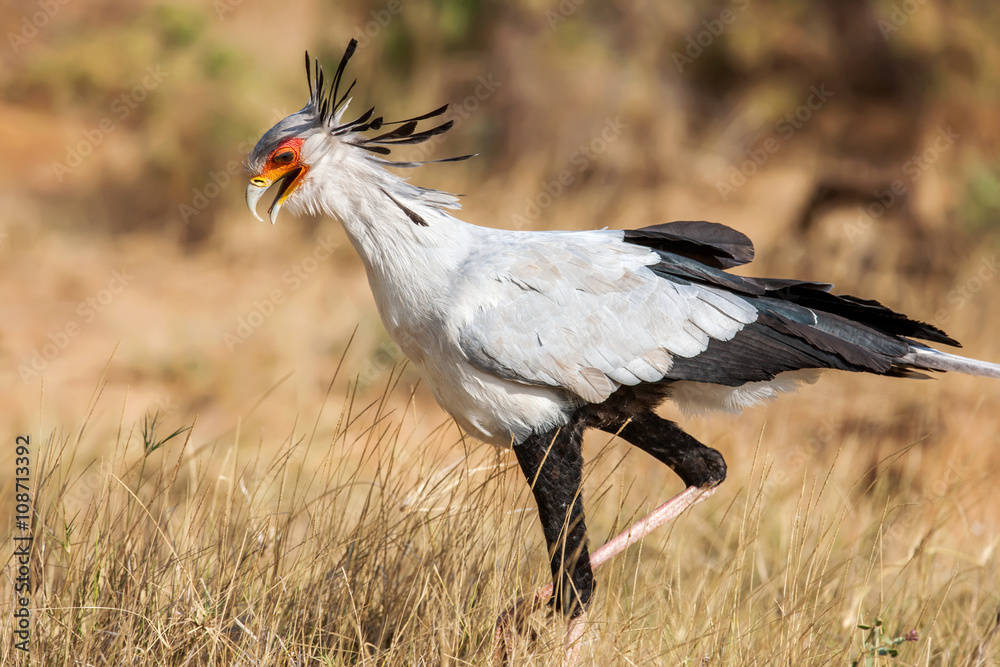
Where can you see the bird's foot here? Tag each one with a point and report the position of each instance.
(512, 622)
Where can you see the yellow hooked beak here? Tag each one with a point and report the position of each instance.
(288, 179)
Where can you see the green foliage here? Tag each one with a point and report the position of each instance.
(980, 205)
(459, 21)
(877, 645)
(179, 25)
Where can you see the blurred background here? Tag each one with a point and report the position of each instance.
(857, 142)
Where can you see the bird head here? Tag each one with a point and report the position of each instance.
(311, 145)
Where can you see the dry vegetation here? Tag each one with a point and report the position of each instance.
(361, 543)
(314, 506)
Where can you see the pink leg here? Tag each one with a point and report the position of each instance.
(511, 620)
(574, 637)
(668, 511)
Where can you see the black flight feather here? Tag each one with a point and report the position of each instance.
(865, 311)
(710, 243)
(800, 324)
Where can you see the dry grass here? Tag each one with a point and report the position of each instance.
(351, 540)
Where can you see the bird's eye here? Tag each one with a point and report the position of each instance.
(284, 157)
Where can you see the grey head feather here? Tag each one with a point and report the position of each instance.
(324, 112)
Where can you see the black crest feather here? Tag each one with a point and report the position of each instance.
(328, 104)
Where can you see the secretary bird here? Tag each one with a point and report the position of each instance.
(528, 338)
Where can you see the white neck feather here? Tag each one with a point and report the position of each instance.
(409, 265)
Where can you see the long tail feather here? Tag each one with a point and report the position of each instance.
(934, 360)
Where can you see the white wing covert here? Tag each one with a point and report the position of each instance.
(585, 313)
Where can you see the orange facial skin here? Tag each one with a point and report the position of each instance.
(282, 161)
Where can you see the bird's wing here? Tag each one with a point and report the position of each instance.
(591, 311)
(584, 312)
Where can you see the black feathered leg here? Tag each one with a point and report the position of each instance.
(553, 465)
(695, 463)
